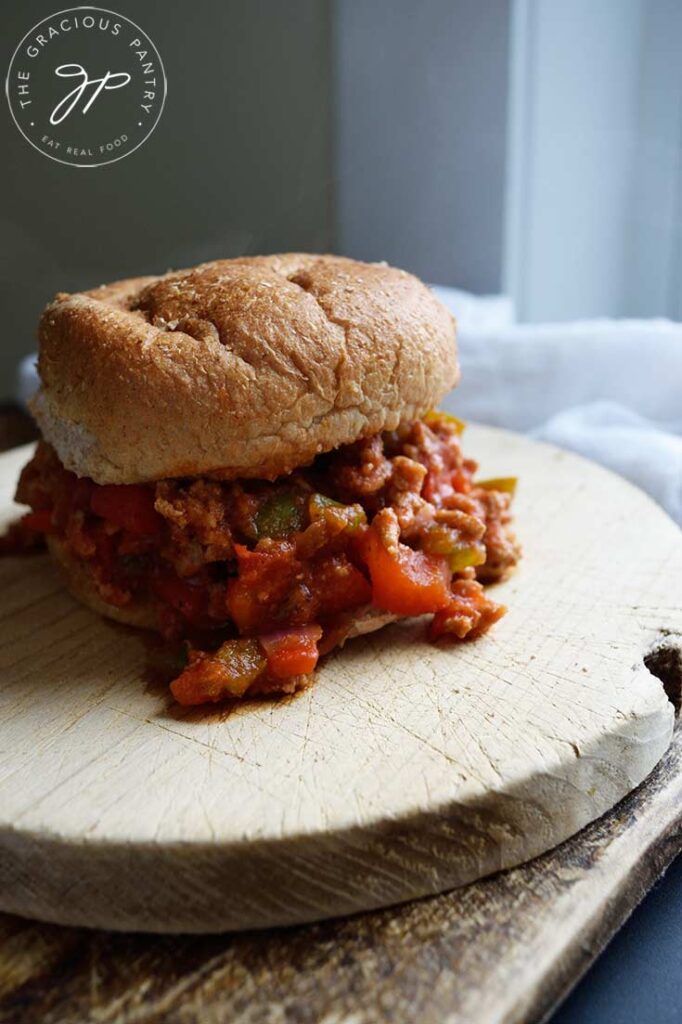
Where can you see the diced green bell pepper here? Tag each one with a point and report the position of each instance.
(353, 515)
(441, 540)
(243, 660)
(280, 514)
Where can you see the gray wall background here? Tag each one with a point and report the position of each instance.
(421, 136)
(526, 145)
(594, 196)
(375, 129)
(240, 161)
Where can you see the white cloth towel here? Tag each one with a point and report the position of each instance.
(609, 389)
(625, 442)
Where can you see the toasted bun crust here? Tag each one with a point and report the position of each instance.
(238, 368)
(144, 613)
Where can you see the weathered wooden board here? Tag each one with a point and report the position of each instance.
(406, 769)
(503, 950)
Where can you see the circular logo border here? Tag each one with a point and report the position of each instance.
(56, 14)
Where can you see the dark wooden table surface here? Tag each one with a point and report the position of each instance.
(506, 949)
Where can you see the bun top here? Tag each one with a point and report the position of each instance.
(238, 368)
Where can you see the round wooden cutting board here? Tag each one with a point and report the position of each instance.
(405, 770)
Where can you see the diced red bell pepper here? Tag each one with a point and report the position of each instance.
(292, 652)
(129, 506)
(404, 581)
(339, 585)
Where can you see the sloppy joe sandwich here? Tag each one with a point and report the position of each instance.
(246, 457)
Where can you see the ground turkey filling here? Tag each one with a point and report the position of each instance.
(261, 578)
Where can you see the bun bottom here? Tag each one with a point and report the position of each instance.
(143, 613)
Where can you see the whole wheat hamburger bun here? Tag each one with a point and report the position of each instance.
(238, 368)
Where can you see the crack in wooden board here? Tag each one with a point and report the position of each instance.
(504, 950)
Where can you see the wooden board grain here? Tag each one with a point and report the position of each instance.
(405, 770)
(504, 950)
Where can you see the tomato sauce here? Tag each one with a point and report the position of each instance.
(271, 572)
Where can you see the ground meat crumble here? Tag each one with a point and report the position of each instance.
(270, 575)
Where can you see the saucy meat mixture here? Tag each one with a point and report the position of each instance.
(262, 578)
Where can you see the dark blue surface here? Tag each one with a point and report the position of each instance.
(638, 978)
